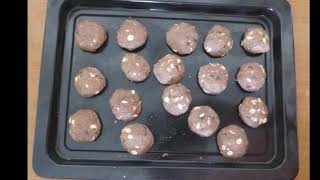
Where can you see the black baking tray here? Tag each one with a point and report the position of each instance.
(177, 152)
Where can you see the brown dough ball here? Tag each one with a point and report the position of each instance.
(213, 78)
(251, 76)
(253, 111)
(84, 125)
(135, 67)
(131, 34)
(232, 141)
(203, 120)
(90, 35)
(182, 38)
(125, 104)
(218, 41)
(176, 99)
(89, 82)
(169, 69)
(136, 138)
(256, 40)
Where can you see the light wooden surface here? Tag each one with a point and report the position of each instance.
(300, 8)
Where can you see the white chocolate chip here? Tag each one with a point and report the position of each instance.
(209, 49)
(136, 147)
(87, 85)
(264, 40)
(249, 80)
(135, 115)
(96, 92)
(176, 99)
(201, 115)
(181, 97)
(124, 102)
(124, 59)
(134, 74)
(172, 66)
(130, 136)
(264, 120)
(91, 75)
(198, 126)
(208, 122)
(130, 37)
(127, 130)
(252, 111)
(259, 100)
(229, 153)
(133, 91)
(249, 37)
(223, 147)
(250, 33)
(166, 99)
(254, 119)
(262, 68)
(178, 61)
(93, 126)
(254, 102)
(222, 67)
(239, 141)
(180, 106)
(232, 132)
(76, 78)
(196, 108)
(137, 64)
(133, 152)
(263, 112)
(165, 154)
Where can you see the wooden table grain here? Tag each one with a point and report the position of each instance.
(301, 21)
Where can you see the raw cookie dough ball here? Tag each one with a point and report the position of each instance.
(176, 99)
(136, 138)
(169, 69)
(131, 34)
(125, 104)
(256, 40)
(232, 141)
(89, 81)
(218, 41)
(182, 38)
(213, 78)
(135, 67)
(84, 125)
(253, 111)
(90, 35)
(251, 76)
(203, 120)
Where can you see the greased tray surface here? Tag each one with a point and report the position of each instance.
(177, 152)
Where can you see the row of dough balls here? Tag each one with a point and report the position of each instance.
(182, 38)
(137, 139)
(213, 77)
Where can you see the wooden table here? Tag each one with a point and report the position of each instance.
(300, 8)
